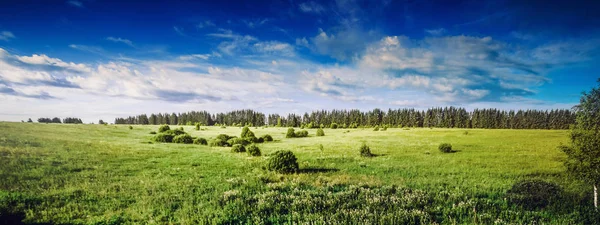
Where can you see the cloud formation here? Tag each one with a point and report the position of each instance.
(120, 40)
(6, 35)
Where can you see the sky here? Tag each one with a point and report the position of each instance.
(96, 59)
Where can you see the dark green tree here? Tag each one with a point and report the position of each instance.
(583, 153)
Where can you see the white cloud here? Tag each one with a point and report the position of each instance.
(255, 23)
(195, 56)
(45, 60)
(6, 35)
(311, 7)
(77, 4)
(205, 24)
(121, 40)
(436, 32)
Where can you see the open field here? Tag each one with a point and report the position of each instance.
(96, 174)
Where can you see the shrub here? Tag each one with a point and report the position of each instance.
(301, 133)
(259, 140)
(197, 126)
(218, 143)
(183, 139)
(384, 128)
(333, 126)
(376, 128)
(175, 132)
(466, 132)
(163, 128)
(200, 141)
(253, 150)
(320, 132)
(240, 141)
(152, 132)
(238, 148)
(267, 137)
(533, 194)
(164, 137)
(290, 133)
(130, 127)
(224, 137)
(251, 139)
(245, 131)
(445, 147)
(365, 151)
(283, 161)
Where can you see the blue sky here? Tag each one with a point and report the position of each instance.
(97, 59)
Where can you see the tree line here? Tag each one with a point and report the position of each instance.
(447, 117)
(57, 120)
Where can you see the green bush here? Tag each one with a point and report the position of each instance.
(197, 126)
(365, 151)
(238, 148)
(290, 133)
(218, 143)
(164, 137)
(152, 132)
(533, 194)
(376, 128)
(224, 137)
(320, 132)
(240, 141)
(333, 126)
(246, 133)
(131, 127)
(253, 150)
(445, 147)
(301, 133)
(283, 161)
(259, 140)
(200, 141)
(183, 139)
(163, 128)
(267, 137)
(175, 132)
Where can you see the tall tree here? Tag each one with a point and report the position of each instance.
(583, 155)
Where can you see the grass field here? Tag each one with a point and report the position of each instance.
(96, 174)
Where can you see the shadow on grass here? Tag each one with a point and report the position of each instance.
(317, 170)
(16, 218)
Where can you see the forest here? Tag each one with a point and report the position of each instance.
(447, 117)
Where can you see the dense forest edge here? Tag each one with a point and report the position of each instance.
(448, 117)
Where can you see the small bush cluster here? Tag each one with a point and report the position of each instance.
(290, 133)
(376, 128)
(183, 139)
(131, 127)
(283, 161)
(238, 148)
(533, 194)
(445, 148)
(320, 132)
(365, 151)
(301, 133)
(163, 137)
(163, 128)
(152, 132)
(238, 141)
(200, 141)
(178, 135)
(267, 137)
(333, 126)
(220, 141)
(253, 150)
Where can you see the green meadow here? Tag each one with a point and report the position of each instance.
(111, 174)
